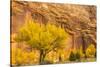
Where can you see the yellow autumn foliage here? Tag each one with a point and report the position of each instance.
(90, 51)
(22, 57)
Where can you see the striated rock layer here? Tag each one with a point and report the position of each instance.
(78, 20)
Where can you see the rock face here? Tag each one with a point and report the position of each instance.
(78, 20)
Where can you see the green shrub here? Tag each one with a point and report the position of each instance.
(72, 56)
(78, 56)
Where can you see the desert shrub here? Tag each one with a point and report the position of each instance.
(79, 53)
(19, 59)
(78, 56)
(72, 56)
(52, 57)
(22, 57)
(91, 51)
(82, 55)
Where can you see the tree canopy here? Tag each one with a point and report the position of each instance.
(42, 37)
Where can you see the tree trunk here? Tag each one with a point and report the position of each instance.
(42, 56)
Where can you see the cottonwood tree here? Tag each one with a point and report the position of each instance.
(44, 38)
